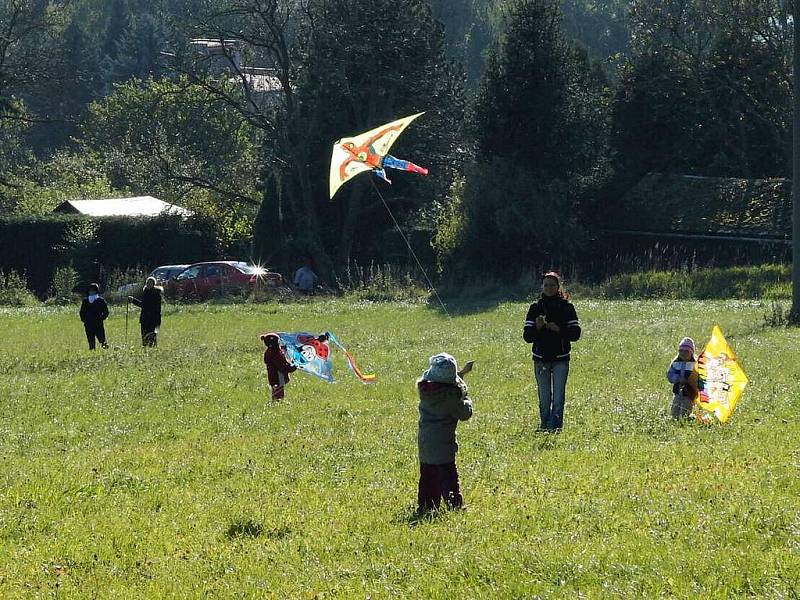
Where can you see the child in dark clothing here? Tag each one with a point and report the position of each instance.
(278, 368)
(682, 376)
(443, 402)
(94, 311)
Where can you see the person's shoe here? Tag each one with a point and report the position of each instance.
(104, 345)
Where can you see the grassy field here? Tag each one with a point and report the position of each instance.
(170, 473)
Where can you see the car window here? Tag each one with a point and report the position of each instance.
(213, 271)
(190, 273)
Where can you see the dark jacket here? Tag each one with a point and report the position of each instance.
(150, 304)
(278, 368)
(93, 313)
(441, 407)
(549, 345)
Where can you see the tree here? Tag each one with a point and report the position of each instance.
(540, 126)
(138, 51)
(341, 68)
(705, 90)
(175, 140)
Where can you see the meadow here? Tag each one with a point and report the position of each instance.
(170, 473)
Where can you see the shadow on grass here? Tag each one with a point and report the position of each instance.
(413, 517)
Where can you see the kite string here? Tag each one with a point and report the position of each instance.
(410, 249)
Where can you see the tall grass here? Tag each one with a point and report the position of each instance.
(169, 473)
(770, 281)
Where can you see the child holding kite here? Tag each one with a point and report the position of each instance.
(443, 402)
(278, 368)
(683, 377)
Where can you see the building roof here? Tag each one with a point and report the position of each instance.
(692, 206)
(138, 206)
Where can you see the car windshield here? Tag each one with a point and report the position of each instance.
(249, 269)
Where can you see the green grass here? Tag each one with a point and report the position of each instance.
(169, 473)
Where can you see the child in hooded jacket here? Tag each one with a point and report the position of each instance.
(443, 402)
(278, 368)
(682, 376)
(93, 312)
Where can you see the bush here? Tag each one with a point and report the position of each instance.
(37, 245)
(14, 290)
(380, 283)
(63, 287)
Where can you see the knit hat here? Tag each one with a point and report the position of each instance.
(443, 369)
(687, 343)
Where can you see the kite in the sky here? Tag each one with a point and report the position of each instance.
(720, 379)
(369, 151)
(312, 354)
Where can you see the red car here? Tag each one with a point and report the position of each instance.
(203, 280)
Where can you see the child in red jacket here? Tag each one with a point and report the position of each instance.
(278, 368)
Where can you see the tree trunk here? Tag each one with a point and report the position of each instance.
(794, 315)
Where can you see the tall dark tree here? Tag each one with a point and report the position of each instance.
(540, 125)
(363, 65)
(139, 49)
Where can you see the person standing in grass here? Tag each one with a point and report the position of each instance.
(150, 317)
(551, 326)
(682, 376)
(443, 402)
(94, 311)
(278, 368)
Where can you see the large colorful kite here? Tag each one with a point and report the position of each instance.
(310, 354)
(369, 151)
(720, 379)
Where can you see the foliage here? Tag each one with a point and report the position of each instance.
(153, 136)
(706, 92)
(541, 146)
(37, 245)
(380, 283)
(64, 286)
(14, 290)
(177, 476)
(65, 176)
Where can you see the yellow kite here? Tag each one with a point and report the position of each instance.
(369, 151)
(720, 379)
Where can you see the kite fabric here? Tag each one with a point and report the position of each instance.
(310, 354)
(720, 379)
(367, 152)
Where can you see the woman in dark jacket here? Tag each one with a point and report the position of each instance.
(150, 318)
(551, 326)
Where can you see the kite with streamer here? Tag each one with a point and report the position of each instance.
(312, 354)
(720, 379)
(369, 151)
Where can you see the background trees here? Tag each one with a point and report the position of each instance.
(541, 138)
(537, 112)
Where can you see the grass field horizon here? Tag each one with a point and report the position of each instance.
(169, 472)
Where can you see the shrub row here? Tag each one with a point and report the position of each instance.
(37, 246)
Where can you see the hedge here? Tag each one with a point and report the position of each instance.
(36, 246)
